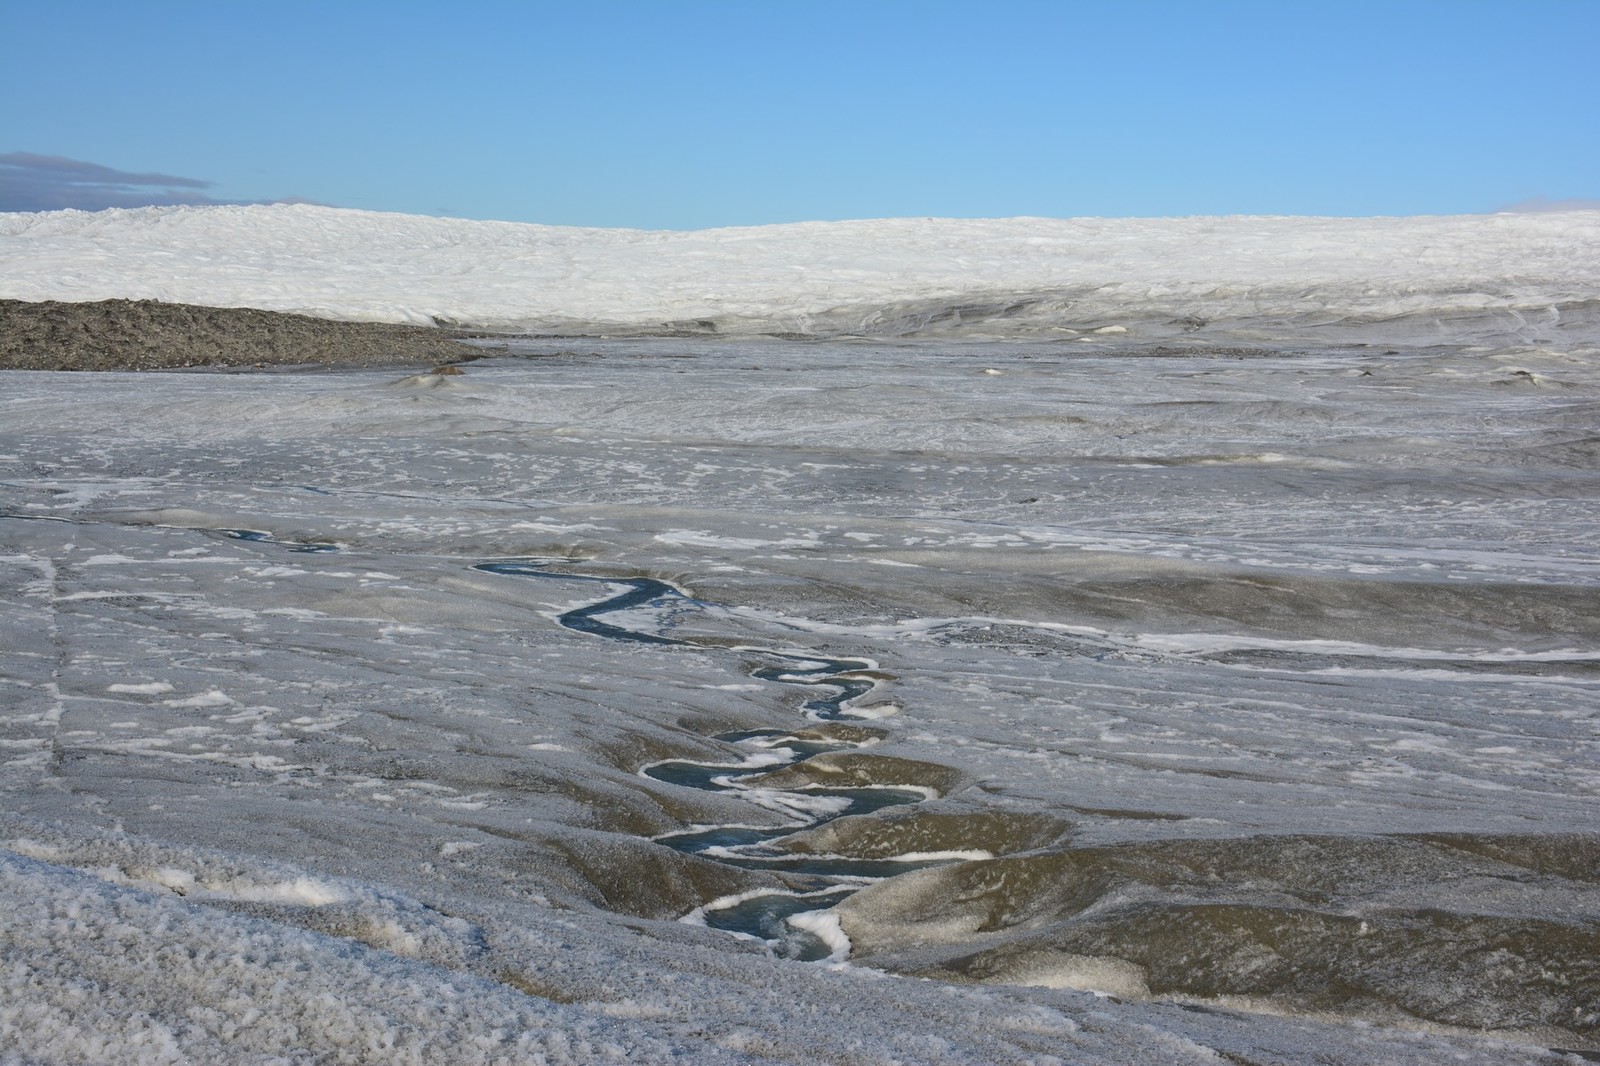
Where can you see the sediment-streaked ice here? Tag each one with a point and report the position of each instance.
(1251, 694)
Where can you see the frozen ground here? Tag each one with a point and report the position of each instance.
(1253, 684)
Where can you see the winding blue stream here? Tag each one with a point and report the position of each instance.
(826, 879)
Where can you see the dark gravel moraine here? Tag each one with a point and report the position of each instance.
(151, 335)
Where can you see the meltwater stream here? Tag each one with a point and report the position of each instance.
(789, 923)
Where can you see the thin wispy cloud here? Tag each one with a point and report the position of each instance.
(30, 182)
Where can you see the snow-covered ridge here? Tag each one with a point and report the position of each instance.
(1530, 274)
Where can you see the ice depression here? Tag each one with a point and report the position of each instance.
(1265, 673)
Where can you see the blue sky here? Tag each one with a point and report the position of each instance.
(696, 113)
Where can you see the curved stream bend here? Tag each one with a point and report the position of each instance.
(792, 924)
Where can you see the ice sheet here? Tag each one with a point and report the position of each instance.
(1524, 277)
(1290, 656)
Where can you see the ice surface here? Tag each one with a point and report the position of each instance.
(1256, 687)
(1523, 277)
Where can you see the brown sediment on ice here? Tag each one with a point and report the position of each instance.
(856, 770)
(917, 830)
(151, 335)
(1494, 933)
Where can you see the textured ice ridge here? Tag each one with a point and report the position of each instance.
(1532, 274)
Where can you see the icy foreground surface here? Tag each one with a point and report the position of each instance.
(1509, 278)
(1269, 680)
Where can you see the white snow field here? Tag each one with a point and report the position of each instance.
(1161, 641)
(1441, 276)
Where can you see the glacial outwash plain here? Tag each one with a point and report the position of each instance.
(886, 642)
